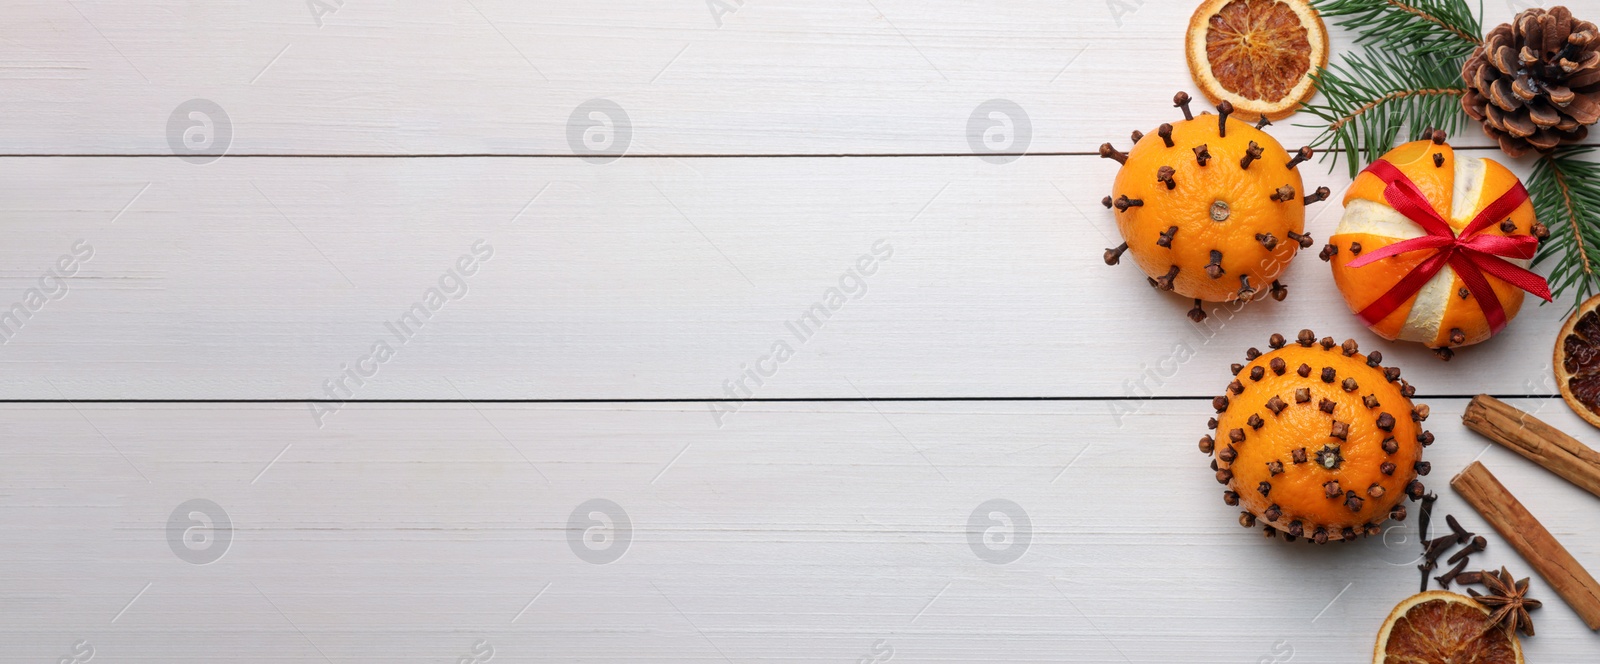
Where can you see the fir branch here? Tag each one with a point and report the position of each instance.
(1565, 189)
(1372, 97)
(1447, 27)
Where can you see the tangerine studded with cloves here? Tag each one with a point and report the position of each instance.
(1324, 454)
(1210, 207)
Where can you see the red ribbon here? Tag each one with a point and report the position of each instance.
(1471, 254)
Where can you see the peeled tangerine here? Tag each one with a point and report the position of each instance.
(1212, 208)
(1316, 440)
(1423, 210)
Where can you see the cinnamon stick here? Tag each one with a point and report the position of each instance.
(1530, 538)
(1532, 438)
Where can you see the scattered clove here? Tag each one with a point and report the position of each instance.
(1279, 291)
(1445, 579)
(1478, 544)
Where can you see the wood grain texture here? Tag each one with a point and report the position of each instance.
(798, 532)
(656, 278)
(503, 76)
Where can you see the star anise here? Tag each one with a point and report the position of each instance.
(1509, 601)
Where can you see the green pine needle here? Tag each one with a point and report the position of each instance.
(1373, 97)
(1565, 189)
(1443, 27)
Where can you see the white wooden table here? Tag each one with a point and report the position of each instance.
(985, 453)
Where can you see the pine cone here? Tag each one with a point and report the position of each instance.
(1534, 83)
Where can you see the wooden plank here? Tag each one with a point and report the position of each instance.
(263, 278)
(798, 532)
(504, 77)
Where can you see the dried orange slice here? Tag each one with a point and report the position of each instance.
(1577, 361)
(1257, 54)
(1438, 627)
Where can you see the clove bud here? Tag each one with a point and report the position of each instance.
(1304, 154)
(1108, 152)
(1279, 291)
(1321, 194)
(1165, 132)
(1304, 239)
(1214, 268)
(1251, 153)
(1282, 194)
(1164, 282)
(1114, 254)
(1165, 239)
(1478, 543)
(1267, 241)
(1224, 110)
(1385, 421)
(1201, 154)
(1181, 100)
(1164, 176)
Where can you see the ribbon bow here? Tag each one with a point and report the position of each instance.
(1470, 253)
